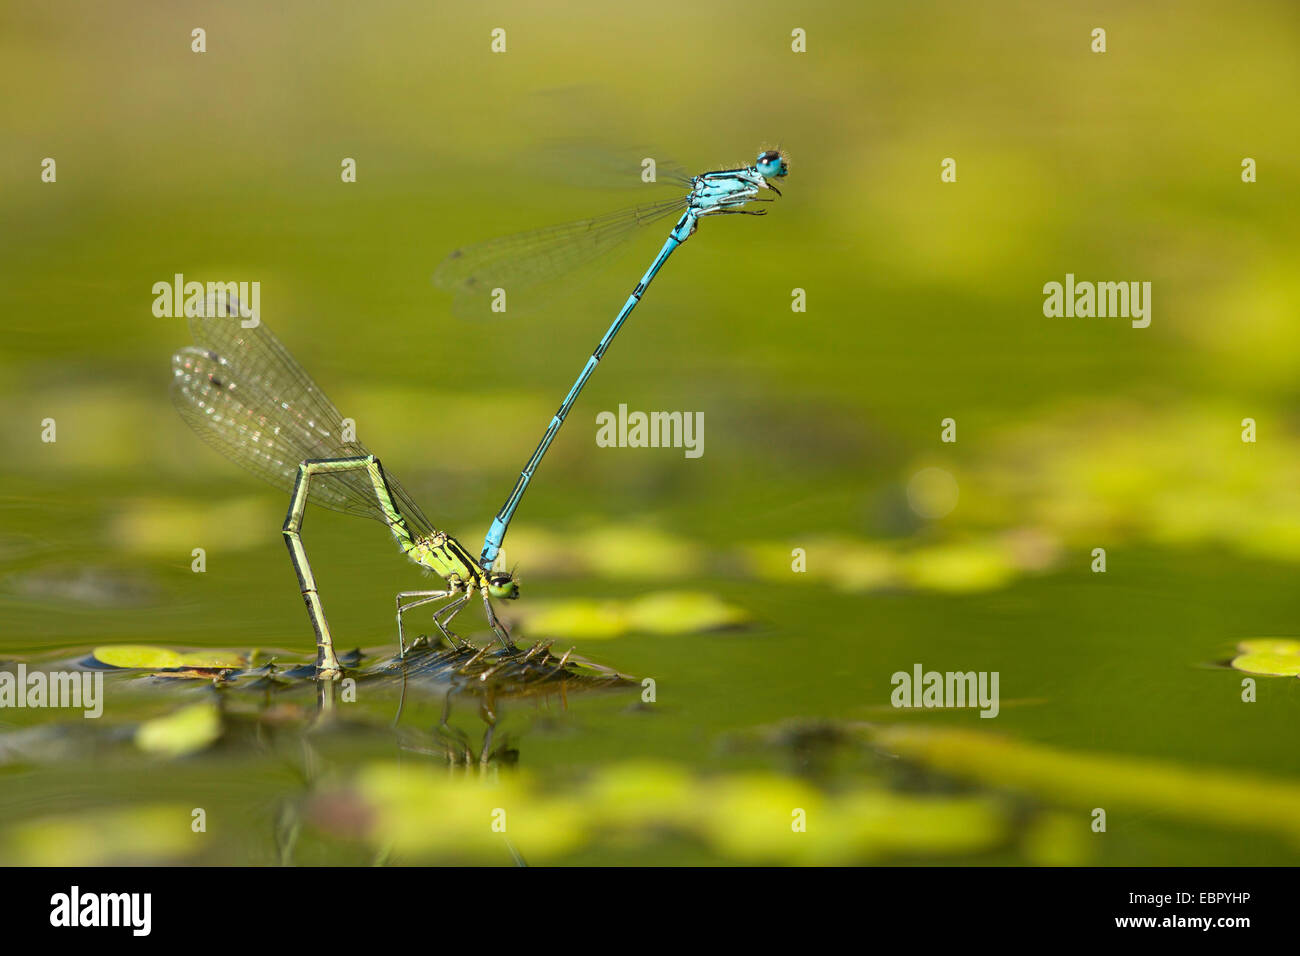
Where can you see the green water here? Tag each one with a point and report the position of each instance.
(924, 302)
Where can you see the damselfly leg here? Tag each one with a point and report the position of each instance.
(327, 662)
(497, 627)
(446, 612)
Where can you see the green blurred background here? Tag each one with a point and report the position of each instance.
(924, 301)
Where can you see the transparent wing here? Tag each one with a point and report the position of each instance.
(595, 165)
(526, 260)
(246, 396)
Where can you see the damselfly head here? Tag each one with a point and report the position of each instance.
(772, 164)
(502, 585)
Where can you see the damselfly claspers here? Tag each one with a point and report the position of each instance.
(515, 262)
(245, 395)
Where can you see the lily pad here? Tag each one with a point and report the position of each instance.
(139, 656)
(663, 612)
(639, 552)
(683, 612)
(859, 565)
(148, 657)
(1279, 657)
(960, 568)
(579, 619)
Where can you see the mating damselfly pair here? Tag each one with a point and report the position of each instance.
(242, 392)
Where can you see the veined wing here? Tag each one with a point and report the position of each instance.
(246, 396)
(523, 261)
(593, 164)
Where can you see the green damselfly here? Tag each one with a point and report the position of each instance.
(243, 393)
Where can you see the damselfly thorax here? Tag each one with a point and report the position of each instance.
(446, 557)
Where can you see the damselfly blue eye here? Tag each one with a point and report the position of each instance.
(771, 164)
